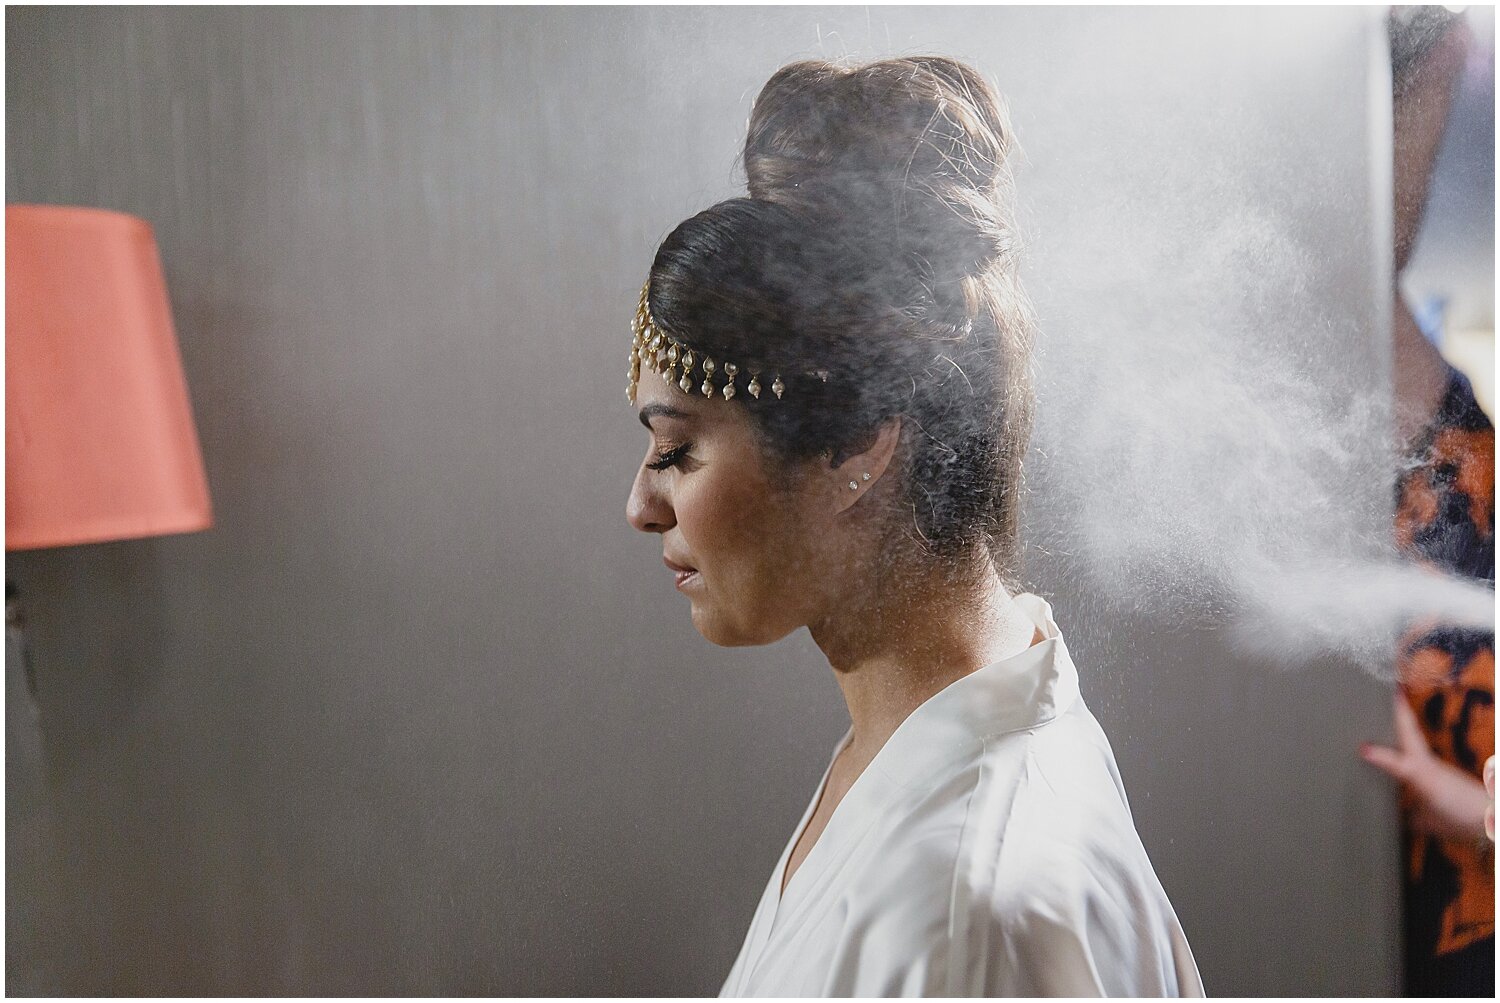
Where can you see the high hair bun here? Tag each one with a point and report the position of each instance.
(876, 247)
(910, 153)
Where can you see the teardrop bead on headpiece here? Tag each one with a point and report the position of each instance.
(674, 360)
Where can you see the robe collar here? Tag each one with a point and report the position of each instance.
(1018, 693)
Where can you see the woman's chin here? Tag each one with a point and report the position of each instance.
(714, 629)
(731, 635)
(709, 626)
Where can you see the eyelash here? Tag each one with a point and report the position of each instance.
(670, 458)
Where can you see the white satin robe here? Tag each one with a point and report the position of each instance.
(987, 850)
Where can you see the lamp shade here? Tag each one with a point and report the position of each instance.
(99, 436)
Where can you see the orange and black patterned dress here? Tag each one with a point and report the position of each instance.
(1446, 518)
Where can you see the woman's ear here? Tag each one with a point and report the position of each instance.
(858, 473)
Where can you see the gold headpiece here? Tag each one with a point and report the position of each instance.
(668, 357)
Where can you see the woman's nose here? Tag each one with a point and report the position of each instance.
(646, 509)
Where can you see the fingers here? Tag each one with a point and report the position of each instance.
(1439, 798)
(1390, 761)
(1411, 744)
(1409, 737)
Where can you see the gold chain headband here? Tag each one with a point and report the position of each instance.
(666, 355)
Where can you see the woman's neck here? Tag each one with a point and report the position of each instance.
(893, 648)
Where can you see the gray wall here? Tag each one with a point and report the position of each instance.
(421, 713)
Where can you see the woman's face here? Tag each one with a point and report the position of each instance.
(753, 547)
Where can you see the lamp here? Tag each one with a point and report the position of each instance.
(99, 436)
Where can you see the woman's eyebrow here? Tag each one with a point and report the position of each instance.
(664, 410)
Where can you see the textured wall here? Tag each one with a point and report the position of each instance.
(422, 714)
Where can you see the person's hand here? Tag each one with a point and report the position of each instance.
(1444, 800)
(1489, 788)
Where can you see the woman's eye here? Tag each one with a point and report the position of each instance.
(670, 458)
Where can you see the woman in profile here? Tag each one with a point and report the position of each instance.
(835, 373)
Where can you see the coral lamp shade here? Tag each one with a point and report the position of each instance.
(99, 436)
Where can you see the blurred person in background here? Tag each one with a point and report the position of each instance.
(1444, 709)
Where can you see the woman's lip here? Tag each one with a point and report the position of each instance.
(686, 577)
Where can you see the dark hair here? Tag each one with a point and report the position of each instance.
(877, 244)
(1413, 33)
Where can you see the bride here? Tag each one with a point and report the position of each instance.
(835, 376)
